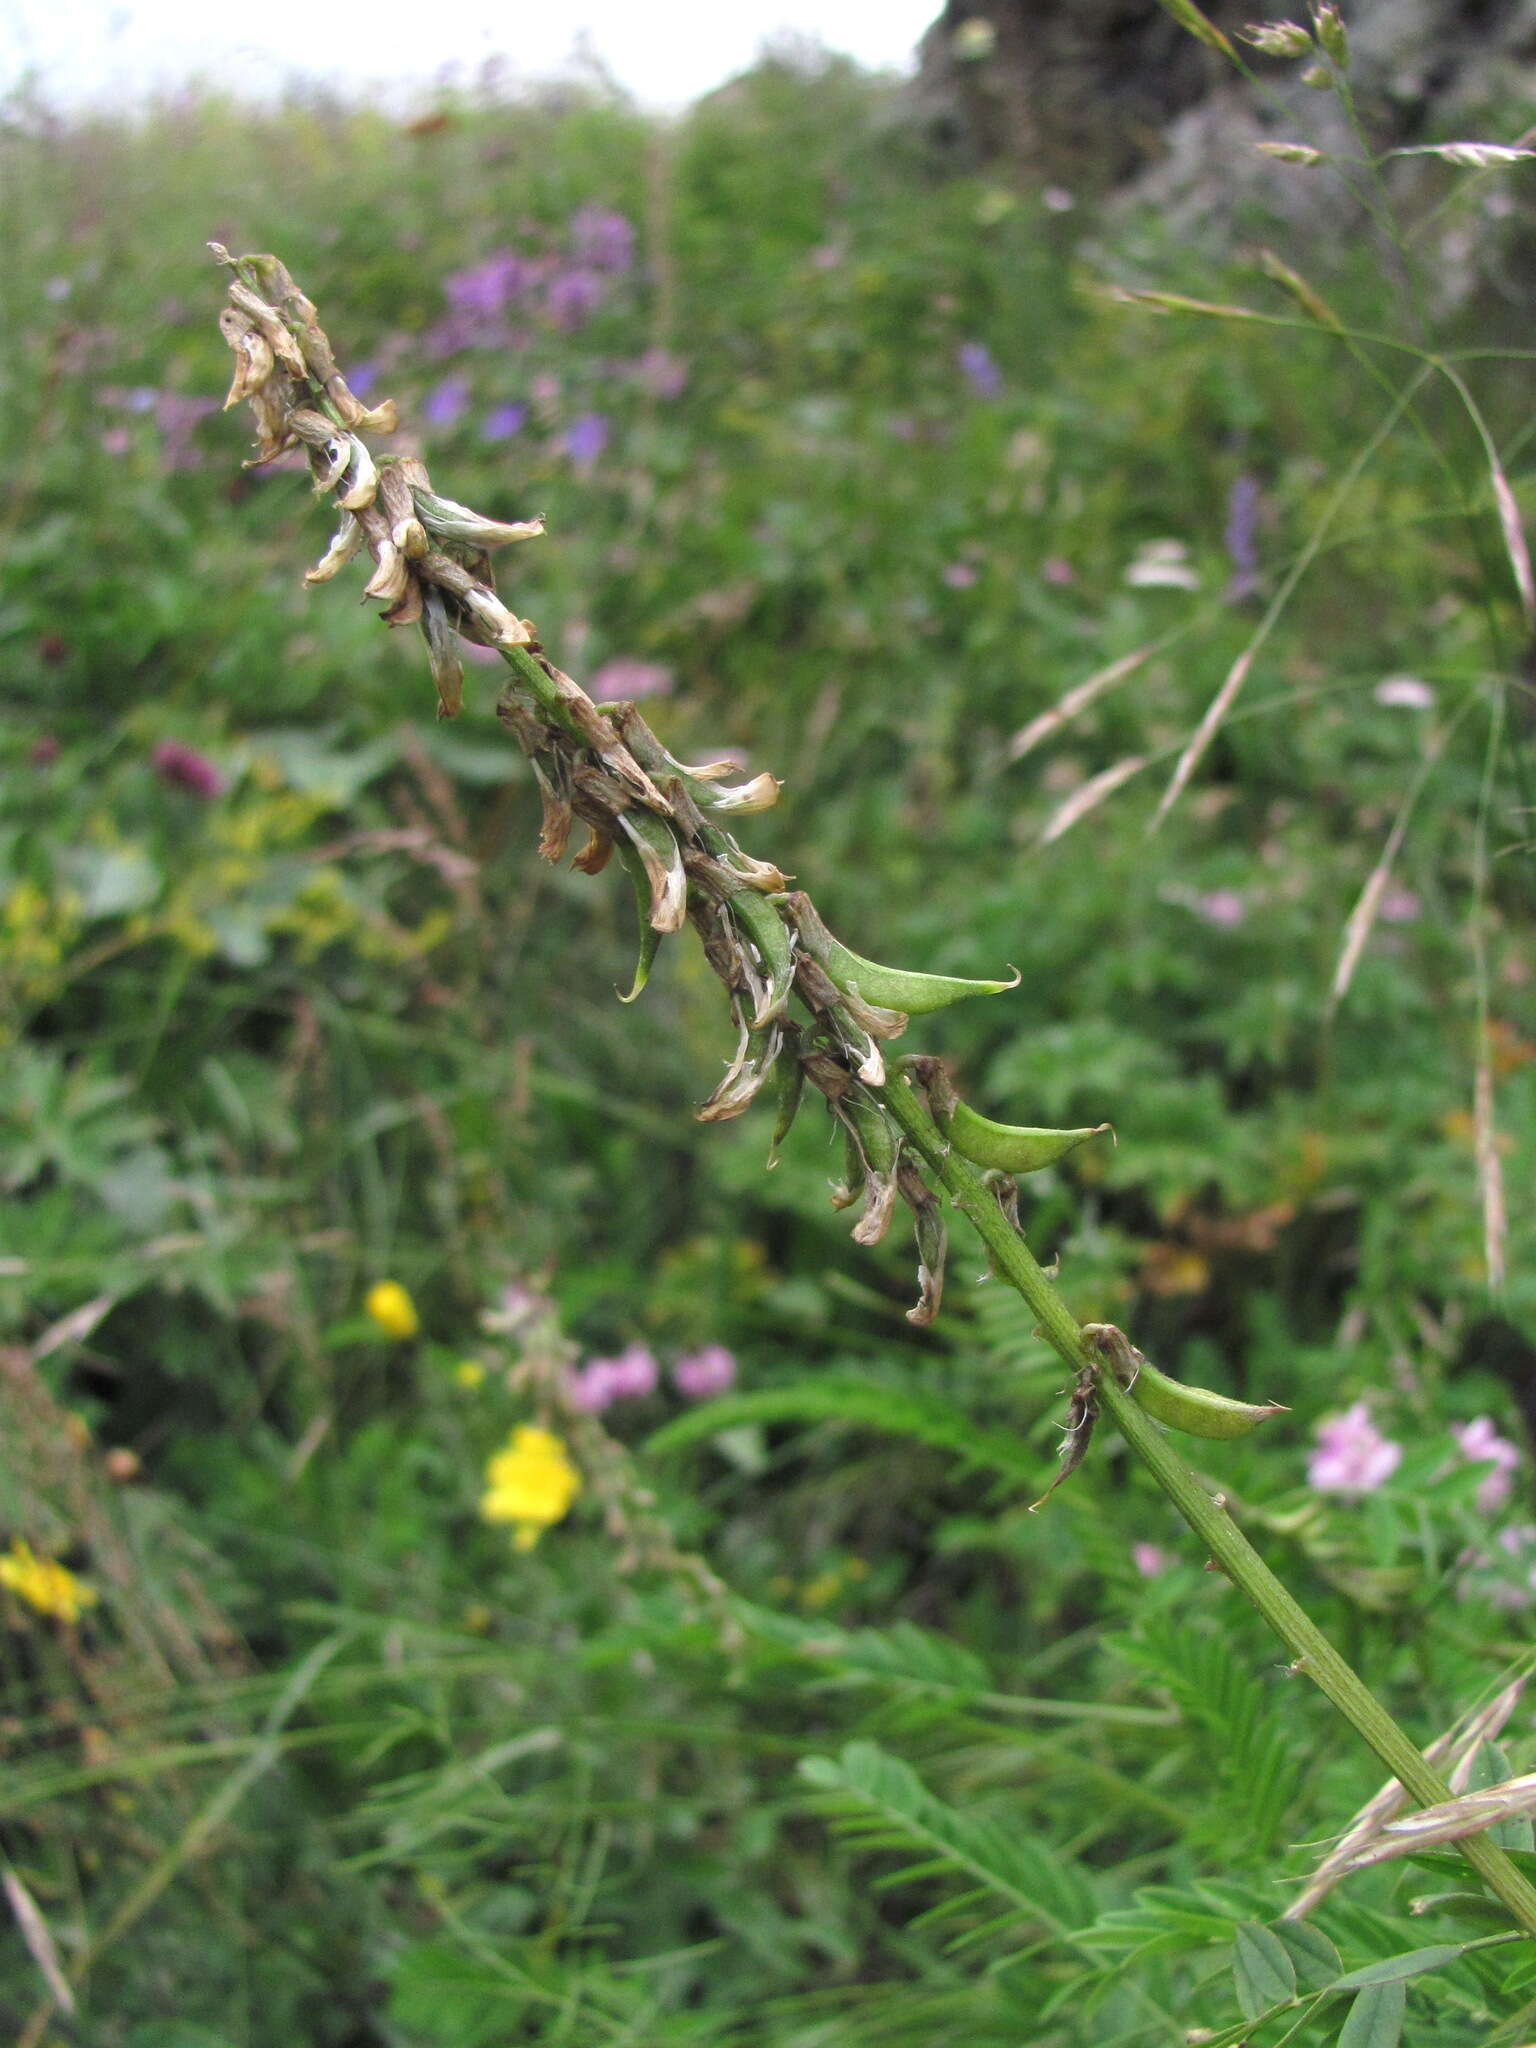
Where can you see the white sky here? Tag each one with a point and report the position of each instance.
(666, 52)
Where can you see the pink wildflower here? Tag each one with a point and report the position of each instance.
(1398, 906)
(1222, 907)
(1149, 1560)
(1481, 1443)
(1352, 1456)
(590, 1390)
(632, 1375)
(704, 1373)
(962, 575)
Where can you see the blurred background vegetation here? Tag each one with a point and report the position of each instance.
(798, 1729)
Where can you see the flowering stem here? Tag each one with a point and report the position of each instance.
(1205, 1513)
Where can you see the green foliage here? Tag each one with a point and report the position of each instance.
(328, 1761)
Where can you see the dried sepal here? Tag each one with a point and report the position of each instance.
(445, 519)
(361, 482)
(659, 850)
(399, 507)
(407, 608)
(443, 655)
(932, 1244)
(760, 794)
(273, 329)
(254, 360)
(389, 578)
(345, 544)
(596, 854)
(755, 1056)
(556, 816)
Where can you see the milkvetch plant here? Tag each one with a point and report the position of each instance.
(909, 1141)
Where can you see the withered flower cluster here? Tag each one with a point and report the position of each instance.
(667, 822)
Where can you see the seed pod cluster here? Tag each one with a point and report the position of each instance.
(668, 822)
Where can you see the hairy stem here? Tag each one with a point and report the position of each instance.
(1206, 1515)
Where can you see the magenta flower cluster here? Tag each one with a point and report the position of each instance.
(633, 1373)
(183, 767)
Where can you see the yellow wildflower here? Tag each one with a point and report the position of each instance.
(469, 1373)
(530, 1484)
(49, 1587)
(389, 1306)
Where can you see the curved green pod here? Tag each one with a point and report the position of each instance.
(889, 988)
(1196, 1410)
(1015, 1148)
(650, 938)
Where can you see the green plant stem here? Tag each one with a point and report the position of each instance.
(1205, 1513)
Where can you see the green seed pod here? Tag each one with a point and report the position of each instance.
(1015, 1148)
(770, 941)
(1194, 1410)
(650, 938)
(791, 1089)
(889, 988)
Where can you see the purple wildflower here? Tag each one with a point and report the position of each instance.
(361, 379)
(182, 767)
(502, 422)
(585, 439)
(1352, 1456)
(1149, 1560)
(572, 296)
(1239, 536)
(978, 368)
(702, 1374)
(1480, 1442)
(116, 441)
(488, 288)
(962, 575)
(626, 676)
(445, 403)
(602, 238)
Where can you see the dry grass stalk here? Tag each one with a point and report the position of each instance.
(1490, 1169)
(1457, 1747)
(1088, 794)
(1204, 733)
(1075, 700)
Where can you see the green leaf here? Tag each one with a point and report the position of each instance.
(1313, 1956)
(1040, 1884)
(1491, 1766)
(1376, 2018)
(1413, 1962)
(863, 1404)
(1263, 1971)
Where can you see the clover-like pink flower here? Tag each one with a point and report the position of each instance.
(1480, 1442)
(1352, 1455)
